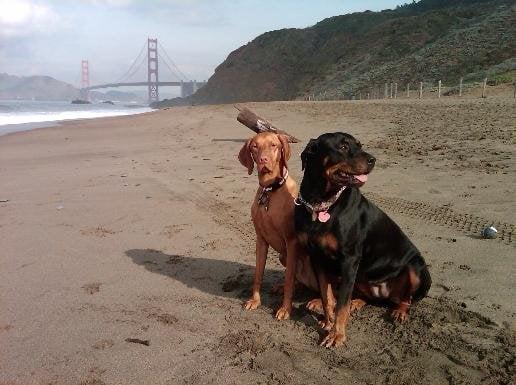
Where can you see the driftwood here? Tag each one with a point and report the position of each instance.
(258, 124)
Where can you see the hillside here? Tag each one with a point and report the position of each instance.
(343, 55)
(48, 88)
(35, 87)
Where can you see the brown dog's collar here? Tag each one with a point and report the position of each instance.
(263, 199)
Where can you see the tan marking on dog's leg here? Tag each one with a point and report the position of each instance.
(404, 287)
(357, 304)
(337, 334)
(328, 301)
(315, 305)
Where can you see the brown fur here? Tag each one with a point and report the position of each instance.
(275, 226)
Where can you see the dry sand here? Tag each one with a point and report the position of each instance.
(139, 227)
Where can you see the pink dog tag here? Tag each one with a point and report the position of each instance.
(323, 216)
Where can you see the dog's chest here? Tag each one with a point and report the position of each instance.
(273, 225)
(320, 239)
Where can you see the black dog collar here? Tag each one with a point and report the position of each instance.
(263, 199)
(320, 210)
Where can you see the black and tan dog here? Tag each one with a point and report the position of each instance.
(356, 250)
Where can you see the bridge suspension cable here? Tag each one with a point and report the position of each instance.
(172, 71)
(188, 87)
(137, 68)
(181, 73)
(128, 73)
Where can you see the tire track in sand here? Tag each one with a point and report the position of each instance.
(443, 216)
(227, 215)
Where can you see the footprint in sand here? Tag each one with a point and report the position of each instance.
(170, 230)
(98, 231)
(92, 288)
(103, 344)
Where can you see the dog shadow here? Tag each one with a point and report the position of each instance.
(216, 277)
(212, 276)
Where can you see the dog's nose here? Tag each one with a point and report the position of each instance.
(371, 160)
(263, 159)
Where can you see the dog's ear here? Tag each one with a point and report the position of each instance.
(285, 149)
(245, 157)
(310, 149)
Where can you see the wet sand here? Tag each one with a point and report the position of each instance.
(139, 227)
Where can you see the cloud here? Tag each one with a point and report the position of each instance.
(110, 3)
(25, 17)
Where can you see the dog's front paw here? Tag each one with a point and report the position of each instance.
(283, 312)
(399, 315)
(252, 304)
(357, 304)
(326, 324)
(315, 305)
(333, 338)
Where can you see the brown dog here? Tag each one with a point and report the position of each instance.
(273, 217)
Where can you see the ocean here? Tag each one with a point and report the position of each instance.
(21, 115)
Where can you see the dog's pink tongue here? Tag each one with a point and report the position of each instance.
(361, 178)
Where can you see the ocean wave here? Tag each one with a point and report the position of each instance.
(36, 117)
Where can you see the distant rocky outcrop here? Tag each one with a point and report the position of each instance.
(35, 87)
(429, 40)
(48, 88)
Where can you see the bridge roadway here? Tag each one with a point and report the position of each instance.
(133, 84)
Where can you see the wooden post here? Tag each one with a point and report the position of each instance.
(408, 90)
(368, 96)
(395, 90)
(420, 90)
(484, 88)
(258, 124)
(439, 89)
(460, 87)
(386, 91)
(392, 86)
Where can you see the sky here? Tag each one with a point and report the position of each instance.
(51, 37)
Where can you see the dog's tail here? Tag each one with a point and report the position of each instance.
(425, 280)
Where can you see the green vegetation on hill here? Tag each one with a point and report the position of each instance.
(425, 41)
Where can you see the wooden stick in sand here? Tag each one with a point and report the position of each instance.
(258, 124)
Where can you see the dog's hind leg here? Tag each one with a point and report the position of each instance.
(356, 304)
(315, 305)
(361, 293)
(403, 289)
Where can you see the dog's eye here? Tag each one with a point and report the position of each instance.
(274, 145)
(344, 146)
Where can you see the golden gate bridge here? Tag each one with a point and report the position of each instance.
(188, 87)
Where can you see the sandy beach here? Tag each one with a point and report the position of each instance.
(139, 227)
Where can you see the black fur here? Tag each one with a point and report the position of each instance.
(371, 248)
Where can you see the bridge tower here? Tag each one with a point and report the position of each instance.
(152, 69)
(85, 80)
